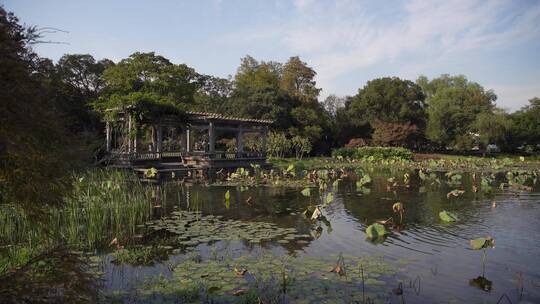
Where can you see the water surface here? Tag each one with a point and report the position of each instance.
(433, 259)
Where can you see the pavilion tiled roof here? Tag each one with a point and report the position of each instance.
(209, 115)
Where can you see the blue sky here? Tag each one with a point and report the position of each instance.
(493, 42)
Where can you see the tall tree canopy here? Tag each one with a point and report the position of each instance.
(453, 106)
(147, 77)
(492, 127)
(213, 94)
(75, 82)
(392, 105)
(298, 80)
(309, 117)
(257, 92)
(33, 162)
(286, 93)
(525, 124)
(83, 73)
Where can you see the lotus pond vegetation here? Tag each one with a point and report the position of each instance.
(322, 230)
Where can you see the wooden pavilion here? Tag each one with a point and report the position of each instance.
(186, 144)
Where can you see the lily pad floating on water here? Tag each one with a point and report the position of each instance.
(316, 214)
(150, 173)
(329, 198)
(448, 216)
(454, 193)
(481, 283)
(309, 274)
(193, 228)
(366, 179)
(227, 199)
(482, 243)
(375, 231)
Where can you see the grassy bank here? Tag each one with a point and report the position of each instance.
(104, 205)
(420, 161)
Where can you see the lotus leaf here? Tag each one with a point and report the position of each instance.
(448, 216)
(329, 198)
(454, 193)
(482, 243)
(375, 231)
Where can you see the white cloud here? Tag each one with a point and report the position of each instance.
(513, 97)
(433, 29)
(302, 4)
(349, 35)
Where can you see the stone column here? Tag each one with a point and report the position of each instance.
(188, 140)
(240, 142)
(108, 135)
(130, 142)
(159, 146)
(264, 136)
(182, 140)
(153, 135)
(135, 136)
(211, 138)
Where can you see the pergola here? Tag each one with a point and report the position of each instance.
(186, 139)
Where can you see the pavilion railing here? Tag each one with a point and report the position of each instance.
(235, 155)
(220, 155)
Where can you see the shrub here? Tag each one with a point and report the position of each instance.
(374, 153)
(358, 142)
(344, 152)
(278, 145)
(140, 256)
(301, 145)
(393, 134)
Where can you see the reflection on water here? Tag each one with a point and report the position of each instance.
(435, 257)
(482, 283)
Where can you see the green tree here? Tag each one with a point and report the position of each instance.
(341, 125)
(34, 175)
(301, 146)
(389, 101)
(453, 106)
(492, 128)
(310, 119)
(393, 134)
(75, 82)
(333, 103)
(278, 144)
(147, 77)
(213, 95)
(298, 80)
(33, 157)
(285, 93)
(257, 93)
(83, 73)
(525, 125)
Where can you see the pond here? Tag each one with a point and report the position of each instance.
(261, 236)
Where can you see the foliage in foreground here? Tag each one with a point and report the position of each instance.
(374, 153)
(271, 279)
(54, 276)
(143, 255)
(33, 159)
(104, 205)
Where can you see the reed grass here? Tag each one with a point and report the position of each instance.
(104, 204)
(19, 240)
